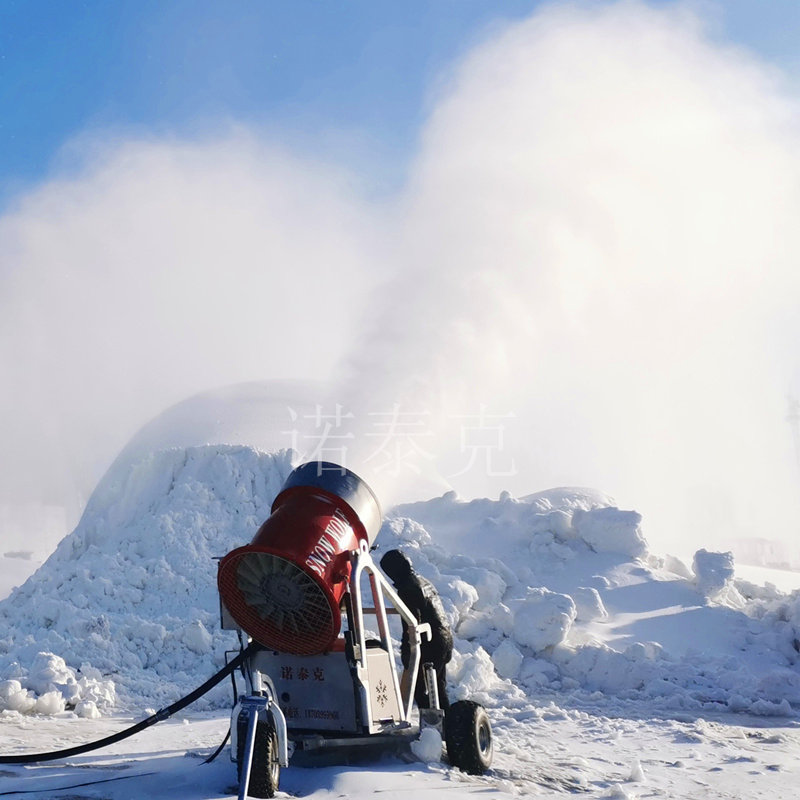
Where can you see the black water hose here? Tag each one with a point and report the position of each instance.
(164, 713)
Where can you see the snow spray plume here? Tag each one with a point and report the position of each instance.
(156, 270)
(599, 235)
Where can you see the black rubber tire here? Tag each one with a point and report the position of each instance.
(468, 735)
(265, 770)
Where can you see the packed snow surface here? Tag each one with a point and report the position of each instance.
(563, 620)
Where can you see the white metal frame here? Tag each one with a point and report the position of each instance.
(362, 562)
(260, 700)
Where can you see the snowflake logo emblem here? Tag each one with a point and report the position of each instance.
(382, 693)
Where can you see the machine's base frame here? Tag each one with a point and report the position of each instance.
(365, 702)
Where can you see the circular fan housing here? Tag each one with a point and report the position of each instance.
(285, 588)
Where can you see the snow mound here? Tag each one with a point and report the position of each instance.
(569, 497)
(570, 604)
(49, 687)
(258, 414)
(548, 522)
(428, 747)
(552, 597)
(130, 595)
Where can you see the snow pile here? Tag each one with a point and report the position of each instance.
(568, 602)
(428, 747)
(49, 686)
(549, 522)
(131, 594)
(552, 597)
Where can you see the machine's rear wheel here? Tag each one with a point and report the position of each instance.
(468, 734)
(265, 770)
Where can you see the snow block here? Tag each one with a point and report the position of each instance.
(507, 659)
(543, 618)
(589, 604)
(428, 748)
(713, 572)
(609, 530)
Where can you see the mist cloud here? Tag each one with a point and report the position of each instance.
(597, 234)
(156, 270)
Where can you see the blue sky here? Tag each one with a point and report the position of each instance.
(324, 75)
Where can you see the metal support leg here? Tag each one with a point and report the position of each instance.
(265, 707)
(433, 716)
(431, 685)
(253, 705)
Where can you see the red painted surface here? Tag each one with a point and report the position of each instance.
(315, 531)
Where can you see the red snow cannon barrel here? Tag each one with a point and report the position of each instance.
(285, 587)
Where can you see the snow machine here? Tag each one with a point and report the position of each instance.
(324, 680)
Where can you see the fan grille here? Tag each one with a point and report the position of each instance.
(279, 604)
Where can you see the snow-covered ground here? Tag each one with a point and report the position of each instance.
(608, 670)
(547, 751)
